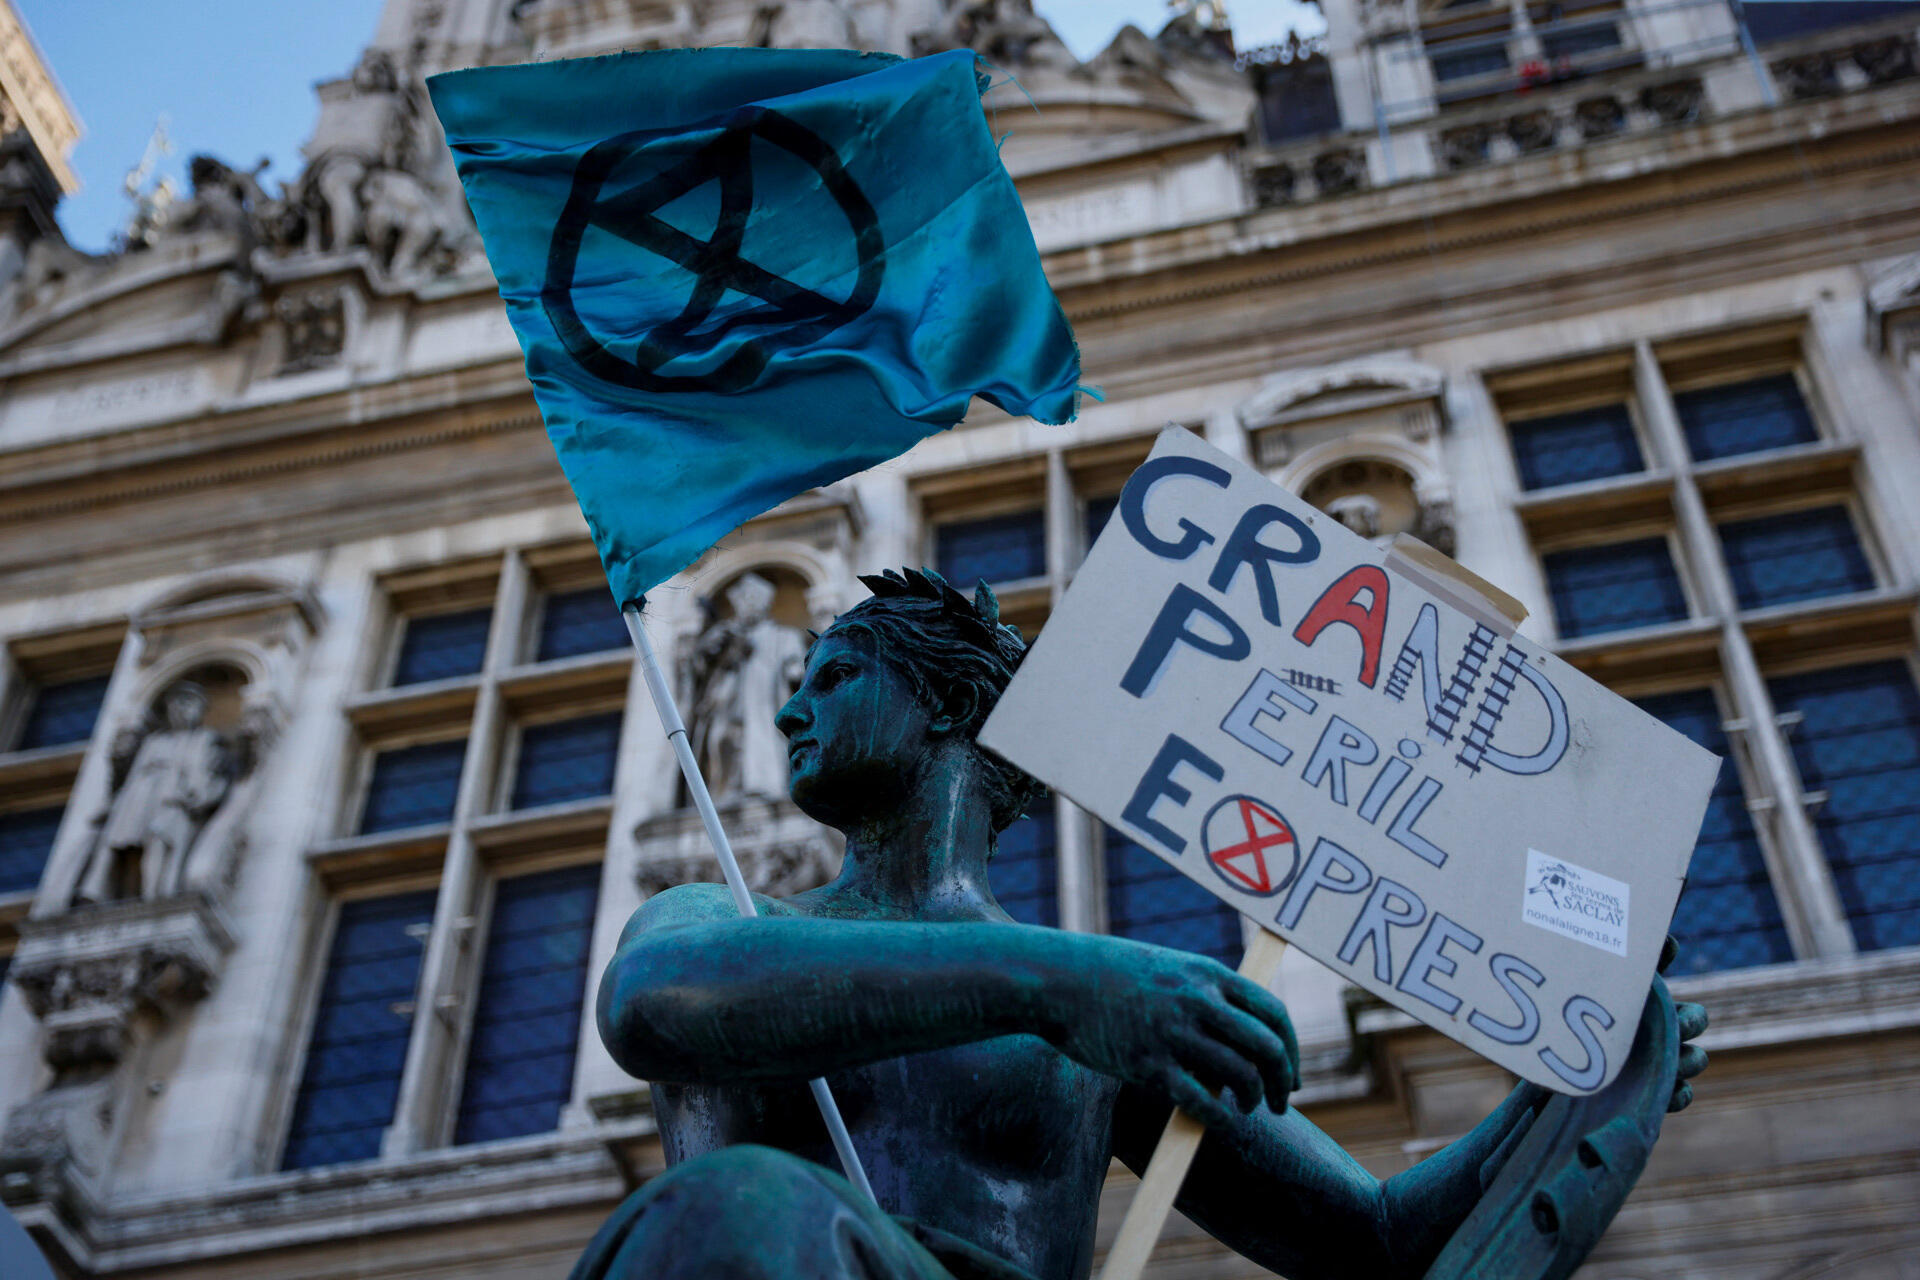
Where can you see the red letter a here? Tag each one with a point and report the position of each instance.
(1340, 603)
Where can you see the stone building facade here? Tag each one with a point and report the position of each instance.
(327, 781)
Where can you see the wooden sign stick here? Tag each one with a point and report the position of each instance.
(1140, 1229)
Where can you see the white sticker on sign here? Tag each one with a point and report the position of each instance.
(1575, 902)
(1257, 695)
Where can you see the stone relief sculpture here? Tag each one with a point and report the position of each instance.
(741, 669)
(365, 187)
(223, 199)
(169, 778)
(1007, 32)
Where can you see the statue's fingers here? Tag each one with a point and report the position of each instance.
(1682, 1097)
(1258, 1042)
(1192, 1097)
(1693, 1060)
(1267, 1007)
(1693, 1019)
(1668, 950)
(1219, 1067)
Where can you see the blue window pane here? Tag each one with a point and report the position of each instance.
(566, 760)
(580, 622)
(1570, 447)
(526, 1018)
(1458, 64)
(1149, 901)
(1859, 741)
(1613, 587)
(360, 1031)
(1570, 37)
(26, 838)
(1771, 20)
(413, 786)
(1728, 917)
(62, 713)
(998, 549)
(1024, 871)
(442, 645)
(1796, 556)
(1099, 511)
(1745, 417)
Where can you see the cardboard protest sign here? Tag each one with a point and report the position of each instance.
(1450, 817)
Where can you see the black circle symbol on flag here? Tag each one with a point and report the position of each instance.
(793, 315)
(1250, 846)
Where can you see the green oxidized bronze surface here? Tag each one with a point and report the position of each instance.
(989, 1070)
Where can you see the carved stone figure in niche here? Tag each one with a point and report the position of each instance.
(1359, 512)
(989, 1071)
(1376, 499)
(742, 668)
(168, 778)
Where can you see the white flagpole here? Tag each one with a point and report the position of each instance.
(676, 728)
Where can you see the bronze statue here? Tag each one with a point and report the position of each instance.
(988, 1070)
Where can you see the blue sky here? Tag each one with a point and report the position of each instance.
(235, 77)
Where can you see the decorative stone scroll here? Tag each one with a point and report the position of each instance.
(92, 978)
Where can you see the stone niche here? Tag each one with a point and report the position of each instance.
(1893, 316)
(131, 930)
(1360, 440)
(738, 656)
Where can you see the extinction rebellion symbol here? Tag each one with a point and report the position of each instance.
(1250, 846)
(793, 314)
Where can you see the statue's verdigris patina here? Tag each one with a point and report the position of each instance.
(987, 1070)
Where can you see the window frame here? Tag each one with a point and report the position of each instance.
(1649, 467)
(1682, 570)
(1863, 533)
(478, 939)
(482, 841)
(1768, 641)
(316, 949)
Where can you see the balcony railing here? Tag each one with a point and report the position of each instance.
(1582, 112)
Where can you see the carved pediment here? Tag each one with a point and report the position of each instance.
(1326, 391)
(67, 307)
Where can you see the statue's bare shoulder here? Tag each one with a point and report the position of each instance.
(691, 904)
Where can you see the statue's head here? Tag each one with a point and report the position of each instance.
(185, 705)
(915, 668)
(750, 596)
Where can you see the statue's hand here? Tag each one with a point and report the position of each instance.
(1693, 1021)
(1180, 1024)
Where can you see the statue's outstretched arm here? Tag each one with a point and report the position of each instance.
(695, 994)
(1278, 1190)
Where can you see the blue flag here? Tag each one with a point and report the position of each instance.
(741, 273)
